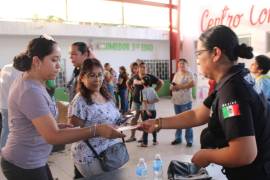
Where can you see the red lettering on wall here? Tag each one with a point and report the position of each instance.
(268, 16)
(251, 15)
(237, 20)
(229, 20)
(264, 16)
(256, 17)
(225, 18)
(204, 16)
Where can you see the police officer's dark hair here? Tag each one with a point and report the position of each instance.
(39, 47)
(82, 47)
(263, 63)
(87, 67)
(224, 38)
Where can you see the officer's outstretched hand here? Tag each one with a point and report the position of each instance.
(200, 158)
(147, 126)
(108, 131)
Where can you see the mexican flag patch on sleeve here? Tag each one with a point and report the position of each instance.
(230, 110)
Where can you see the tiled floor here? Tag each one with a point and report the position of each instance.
(62, 167)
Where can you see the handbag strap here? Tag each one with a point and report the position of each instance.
(94, 151)
(92, 148)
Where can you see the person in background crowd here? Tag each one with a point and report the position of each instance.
(122, 89)
(181, 86)
(236, 114)
(33, 128)
(79, 51)
(8, 75)
(92, 106)
(259, 68)
(111, 81)
(150, 97)
(136, 84)
(134, 69)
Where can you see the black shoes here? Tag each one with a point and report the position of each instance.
(175, 142)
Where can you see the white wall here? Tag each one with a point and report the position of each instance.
(114, 57)
(14, 37)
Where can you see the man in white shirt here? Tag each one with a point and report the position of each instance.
(7, 76)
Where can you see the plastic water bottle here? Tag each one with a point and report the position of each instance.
(141, 169)
(158, 167)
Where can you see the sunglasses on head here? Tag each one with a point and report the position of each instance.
(46, 36)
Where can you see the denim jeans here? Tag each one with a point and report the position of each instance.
(5, 129)
(123, 93)
(189, 133)
(145, 135)
(110, 89)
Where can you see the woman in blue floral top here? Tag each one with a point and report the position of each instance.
(92, 105)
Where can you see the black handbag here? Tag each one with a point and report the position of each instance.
(113, 157)
(178, 170)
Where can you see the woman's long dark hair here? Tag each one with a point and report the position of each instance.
(87, 67)
(124, 72)
(82, 47)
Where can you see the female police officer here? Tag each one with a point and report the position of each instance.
(237, 117)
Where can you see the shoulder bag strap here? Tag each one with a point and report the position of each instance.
(91, 147)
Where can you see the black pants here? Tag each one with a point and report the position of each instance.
(260, 171)
(13, 172)
(145, 135)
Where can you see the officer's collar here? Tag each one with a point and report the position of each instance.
(234, 70)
